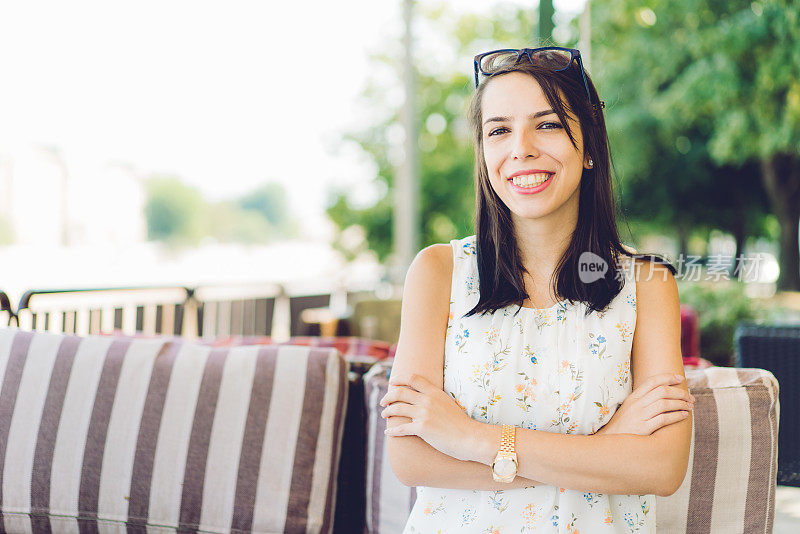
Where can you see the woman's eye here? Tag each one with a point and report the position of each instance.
(497, 131)
(551, 125)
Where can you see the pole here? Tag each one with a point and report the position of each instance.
(546, 13)
(585, 39)
(406, 217)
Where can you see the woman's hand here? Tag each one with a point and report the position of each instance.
(435, 416)
(656, 403)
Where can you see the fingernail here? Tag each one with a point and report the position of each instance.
(678, 377)
(691, 398)
(684, 414)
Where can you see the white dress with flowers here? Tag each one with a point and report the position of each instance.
(552, 369)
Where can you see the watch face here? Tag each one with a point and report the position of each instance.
(505, 467)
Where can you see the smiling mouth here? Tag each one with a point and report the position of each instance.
(531, 180)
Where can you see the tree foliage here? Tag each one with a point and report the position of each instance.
(702, 95)
(179, 215)
(444, 86)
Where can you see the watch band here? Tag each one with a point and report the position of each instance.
(504, 467)
(507, 439)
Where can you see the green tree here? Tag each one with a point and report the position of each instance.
(446, 193)
(706, 95)
(173, 211)
(179, 215)
(269, 200)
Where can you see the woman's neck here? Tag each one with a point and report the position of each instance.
(542, 243)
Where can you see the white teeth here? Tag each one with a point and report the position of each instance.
(531, 180)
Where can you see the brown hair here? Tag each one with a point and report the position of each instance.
(500, 266)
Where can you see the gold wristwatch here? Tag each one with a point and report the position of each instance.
(504, 467)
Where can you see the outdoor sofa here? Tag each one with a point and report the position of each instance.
(122, 434)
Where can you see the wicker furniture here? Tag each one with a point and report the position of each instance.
(776, 348)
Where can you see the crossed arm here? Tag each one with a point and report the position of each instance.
(604, 463)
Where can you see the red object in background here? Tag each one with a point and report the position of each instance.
(690, 332)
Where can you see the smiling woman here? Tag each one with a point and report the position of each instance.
(527, 392)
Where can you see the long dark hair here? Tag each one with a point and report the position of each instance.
(500, 266)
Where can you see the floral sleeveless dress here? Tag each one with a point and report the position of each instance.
(550, 369)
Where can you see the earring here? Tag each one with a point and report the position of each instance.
(591, 163)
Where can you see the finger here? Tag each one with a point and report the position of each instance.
(416, 382)
(398, 409)
(665, 419)
(666, 392)
(667, 405)
(401, 394)
(400, 430)
(655, 381)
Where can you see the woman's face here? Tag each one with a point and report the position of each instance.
(532, 164)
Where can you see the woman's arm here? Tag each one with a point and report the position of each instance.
(621, 464)
(420, 351)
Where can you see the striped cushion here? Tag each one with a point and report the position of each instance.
(732, 474)
(731, 478)
(112, 432)
(389, 501)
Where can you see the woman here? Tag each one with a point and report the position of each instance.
(538, 383)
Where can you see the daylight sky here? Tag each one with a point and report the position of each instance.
(225, 94)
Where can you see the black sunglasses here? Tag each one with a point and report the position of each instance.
(551, 57)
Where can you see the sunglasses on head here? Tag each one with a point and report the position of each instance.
(551, 57)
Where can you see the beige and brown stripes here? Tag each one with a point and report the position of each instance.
(138, 434)
(734, 451)
(149, 428)
(172, 441)
(759, 389)
(89, 492)
(76, 410)
(48, 429)
(12, 365)
(305, 447)
(322, 495)
(280, 439)
(253, 440)
(227, 431)
(704, 462)
(197, 455)
(21, 435)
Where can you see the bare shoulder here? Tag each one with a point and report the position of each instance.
(654, 281)
(424, 315)
(656, 339)
(433, 261)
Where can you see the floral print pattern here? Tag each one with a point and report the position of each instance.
(554, 369)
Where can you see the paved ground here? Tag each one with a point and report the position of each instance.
(787, 510)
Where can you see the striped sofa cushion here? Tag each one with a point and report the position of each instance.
(155, 434)
(729, 485)
(733, 463)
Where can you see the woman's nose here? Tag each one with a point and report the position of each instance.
(524, 146)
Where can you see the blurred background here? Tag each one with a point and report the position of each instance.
(251, 153)
(195, 143)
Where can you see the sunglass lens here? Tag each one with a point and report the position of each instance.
(494, 62)
(552, 59)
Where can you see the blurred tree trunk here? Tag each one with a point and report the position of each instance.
(740, 235)
(781, 177)
(682, 231)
